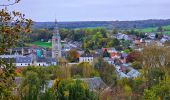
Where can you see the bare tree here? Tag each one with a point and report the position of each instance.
(155, 56)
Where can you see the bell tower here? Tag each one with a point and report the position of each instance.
(56, 42)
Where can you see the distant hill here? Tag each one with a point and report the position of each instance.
(106, 24)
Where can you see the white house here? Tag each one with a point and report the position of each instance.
(23, 61)
(86, 58)
(45, 62)
(152, 35)
(40, 62)
(18, 60)
(109, 60)
(120, 36)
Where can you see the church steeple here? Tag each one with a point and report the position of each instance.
(56, 28)
(56, 42)
(56, 24)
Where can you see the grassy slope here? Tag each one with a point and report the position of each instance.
(166, 28)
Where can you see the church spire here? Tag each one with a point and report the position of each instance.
(56, 42)
(56, 28)
(56, 25)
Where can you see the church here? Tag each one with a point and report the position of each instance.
(56, 42)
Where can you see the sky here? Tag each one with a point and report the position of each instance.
(93, 10)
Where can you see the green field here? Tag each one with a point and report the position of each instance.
(41, 44)
(154, 29)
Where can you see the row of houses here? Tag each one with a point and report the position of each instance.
(148, 37)
(123, 70)
(24, 61)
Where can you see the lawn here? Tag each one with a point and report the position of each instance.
(41, 44)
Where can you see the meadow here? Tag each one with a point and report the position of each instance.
(154, 29)
(41, 44)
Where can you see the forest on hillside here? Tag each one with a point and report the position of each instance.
(105, 24)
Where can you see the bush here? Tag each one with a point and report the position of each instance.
(137, 65)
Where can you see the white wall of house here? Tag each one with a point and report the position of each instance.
(41, 64)
(86, 59)
(23, 64)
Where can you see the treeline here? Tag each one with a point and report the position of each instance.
(39, 34)
(81, 34)
(98, 39)
(105, 24)
(90, 38)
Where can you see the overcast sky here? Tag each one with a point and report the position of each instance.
(94, 10)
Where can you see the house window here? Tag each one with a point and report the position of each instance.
(39, 64)
(28, 64)
(21, 64)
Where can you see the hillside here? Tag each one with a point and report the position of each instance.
(106, 24)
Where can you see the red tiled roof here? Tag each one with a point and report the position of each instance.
(114, 54)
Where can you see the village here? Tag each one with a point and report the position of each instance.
(84, 50)
(38, 56)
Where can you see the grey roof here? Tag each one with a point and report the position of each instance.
(94, 83)
(10, 56)
(16, 49)
(50, 60)
(42, 59)
(86, 55)
(133, 73)
(121, 75)
(23, 60)
(47, 60)
(48, 53)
